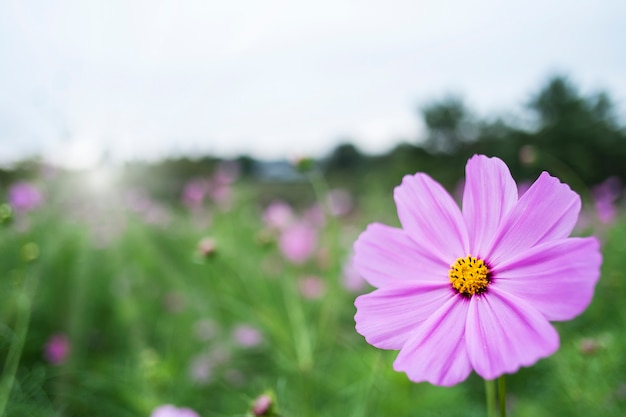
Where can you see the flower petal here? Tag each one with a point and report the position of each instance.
(557, 278)
(436, 352)
(504, 333)
(547, 211)
(431, 218)
(387, 317)
(490, 193)
(385, 255)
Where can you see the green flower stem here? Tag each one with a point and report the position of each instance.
(22, 320)
(326, 324)
(490, 393)
(502, 395)
(299, 326)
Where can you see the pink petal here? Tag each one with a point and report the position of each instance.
(298, 242)
(431, 218)
(490, 193)
(503, 333)
(166, 410)
(387, 317)
(547, 211)
(557, 278)
(385, 255)
(436, 352)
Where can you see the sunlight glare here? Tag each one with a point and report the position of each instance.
(78, 155)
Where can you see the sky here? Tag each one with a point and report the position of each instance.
(141, 80)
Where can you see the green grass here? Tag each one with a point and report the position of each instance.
(133, 302)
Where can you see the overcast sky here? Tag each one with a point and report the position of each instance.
(144, 79)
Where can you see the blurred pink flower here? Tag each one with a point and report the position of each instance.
(222, 195)
(247, 336)
(312, 287)
(169, 410)
(157, 215)
(522, 187)
(57, 349)
(606, 211)
(457, 193)
(262, 405)
(205, 329)
(194, 192)
(206, 247)
(315, 216)
(137, 200)
(297, 243)
(340, 202)
(604, 196)
(24, 196)
(278, 215)
(351, 279)
(585, 221)
(201, 368)
(528, 155)
(226, 173)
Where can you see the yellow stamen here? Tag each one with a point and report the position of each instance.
(469, 275)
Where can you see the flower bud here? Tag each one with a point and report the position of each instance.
(206, 247)
(262, 406)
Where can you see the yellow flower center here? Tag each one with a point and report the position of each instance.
(469, 275)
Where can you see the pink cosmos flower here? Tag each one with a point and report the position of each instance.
(351, 279)
(340, 202)
(57, 349)
(24, 196)
(206, 247)
(604, 197)
(201, 368)
(222, 196)
(312, 287)
(315, 216)
(278, 215)
(194, 192)
(298, 242)
(262, 405)
(227, 172)
(169, 410)
(474, 289)
(247, 336)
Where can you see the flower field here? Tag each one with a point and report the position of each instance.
(116, 303)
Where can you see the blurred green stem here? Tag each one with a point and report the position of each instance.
(321, 188)
(299, 326)
(502, 395)
(22, 320)
(490, 393)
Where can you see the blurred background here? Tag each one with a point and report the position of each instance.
(181, 184)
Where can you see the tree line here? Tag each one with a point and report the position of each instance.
(575, 136)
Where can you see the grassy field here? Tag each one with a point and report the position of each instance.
(140, 317)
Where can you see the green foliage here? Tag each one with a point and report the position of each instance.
(142, 312)
(575, 136)
(449, 125)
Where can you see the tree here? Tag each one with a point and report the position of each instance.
(449, 125)
(344, 158)
(578, 131)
